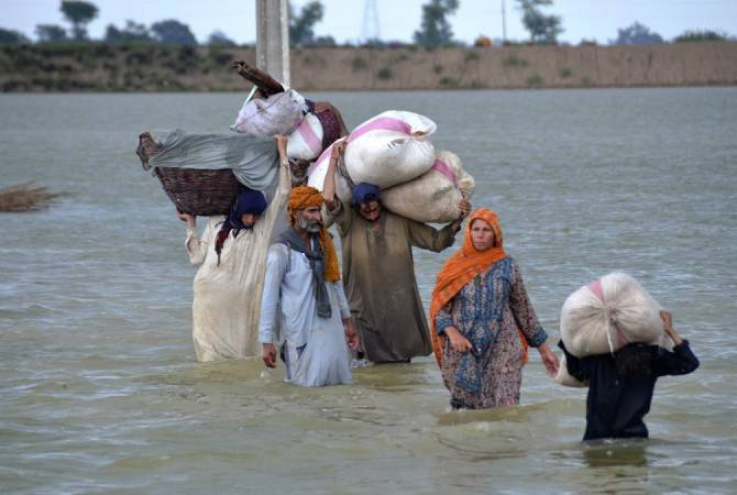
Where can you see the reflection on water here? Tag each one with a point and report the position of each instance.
(100, 392)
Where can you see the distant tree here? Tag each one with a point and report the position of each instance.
(542, 28)
(173, 32)
(219, 38)
(324, 41)
(435, 29)
(50, 33)
(302, 26)
(79, 14)
(698, 36)
(637, 34)
(133, 32)
(10, 37)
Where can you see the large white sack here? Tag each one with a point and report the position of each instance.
(305, 143)
(280, 113)
(385, 150)
(605, 315)
(434, 196)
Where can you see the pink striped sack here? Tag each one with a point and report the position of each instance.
(386, 150)
(434, 196)
(606, 315)
(305, 143)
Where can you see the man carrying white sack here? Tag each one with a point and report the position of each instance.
(302, 292)
(378, 269)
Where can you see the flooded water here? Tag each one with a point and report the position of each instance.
(100, 391)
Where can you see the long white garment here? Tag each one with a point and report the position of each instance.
(227, 297)
(316, 352)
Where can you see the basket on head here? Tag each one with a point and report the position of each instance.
(200, 192)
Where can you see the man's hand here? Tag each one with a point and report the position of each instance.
(458, 342)
(465, 206)
(339, 148)
(270, 355)
(351, 336)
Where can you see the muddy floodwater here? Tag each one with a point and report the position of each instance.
(100, 391)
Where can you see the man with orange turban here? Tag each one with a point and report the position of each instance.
(303, 293)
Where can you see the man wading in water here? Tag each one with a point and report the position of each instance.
(378, 269)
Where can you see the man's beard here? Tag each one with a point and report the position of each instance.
(312, 226)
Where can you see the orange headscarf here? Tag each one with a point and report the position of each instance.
(461, 268)
(302, 197)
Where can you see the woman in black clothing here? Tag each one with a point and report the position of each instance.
(621, 384)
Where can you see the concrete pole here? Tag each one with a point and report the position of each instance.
(272, 38)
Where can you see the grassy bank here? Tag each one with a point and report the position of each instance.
(100, 67)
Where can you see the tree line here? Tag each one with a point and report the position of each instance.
(434, 30)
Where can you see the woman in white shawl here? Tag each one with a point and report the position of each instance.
(229, 283)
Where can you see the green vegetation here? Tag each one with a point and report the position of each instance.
(79, 14)
(435, 29)
(565, 73)
(472, 57)
(700, 36)
(542, 28)
(448, 82)
(359, 64)
(637, 34)
(514, 61)
(302, 25)
(385, 73)
(534, 79)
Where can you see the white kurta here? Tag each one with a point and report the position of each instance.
(227, 297)
(316, 352)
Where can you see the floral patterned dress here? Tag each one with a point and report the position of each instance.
(493, 312)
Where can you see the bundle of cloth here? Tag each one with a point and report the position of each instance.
(252, 159)
(393, 152)
(604, 316)
(273, 108)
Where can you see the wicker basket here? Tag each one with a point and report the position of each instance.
(200, 192)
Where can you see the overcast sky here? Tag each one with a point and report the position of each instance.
(398, 19)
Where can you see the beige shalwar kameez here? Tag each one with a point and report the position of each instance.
(227, 297)
(380, 283)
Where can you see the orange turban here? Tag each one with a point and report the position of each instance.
(303, 197)
(461, 268)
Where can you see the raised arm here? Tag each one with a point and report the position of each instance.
(196, 247)
(328, 190)
(679, 362)
(283, 187)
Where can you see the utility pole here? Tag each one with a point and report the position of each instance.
(370, 31)
(504, 23)
(272, 38)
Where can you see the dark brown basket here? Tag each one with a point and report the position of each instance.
(200, 192)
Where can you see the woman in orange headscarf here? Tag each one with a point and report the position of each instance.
(482, 320)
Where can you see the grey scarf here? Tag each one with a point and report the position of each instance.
(292, 239)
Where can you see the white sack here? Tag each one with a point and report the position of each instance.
(434, 196)
(278, 114)
(385, 150)
(305, 143)
(564, 378)
(605, 315)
